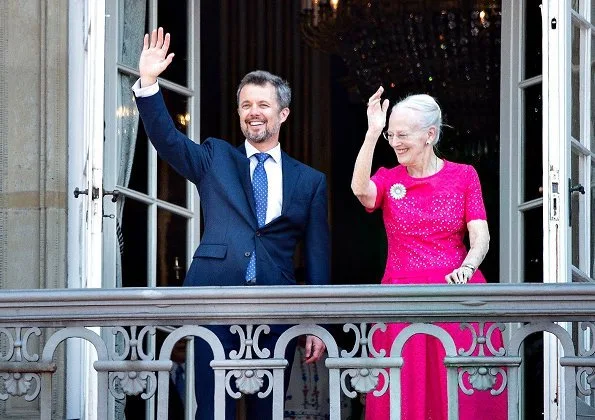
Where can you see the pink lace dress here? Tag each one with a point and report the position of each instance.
(426, 221)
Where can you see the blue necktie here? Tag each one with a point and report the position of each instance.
(260, 190)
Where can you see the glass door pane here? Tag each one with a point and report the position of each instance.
(592, 101)
(532, 144)
(171, 248)
(133, 248)
(581, 143)
(533, 250)
(133, 23)
(174, 20)
(575, 213)
(592, 212)
(155, 199)
(156, 207)
(532, 39)
(575, 121)
(131, 139)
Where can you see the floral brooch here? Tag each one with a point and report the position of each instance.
(398, 191)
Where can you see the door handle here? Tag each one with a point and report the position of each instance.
(95, 192)
(571, 190)
(577, 188)
(115, 195)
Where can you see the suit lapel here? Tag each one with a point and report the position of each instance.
(243, 167)
(291, 174)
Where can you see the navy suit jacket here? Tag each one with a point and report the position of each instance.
(221, 173)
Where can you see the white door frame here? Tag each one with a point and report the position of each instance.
(85, 153)
(556, 147)
(511, 126)
(85, 92)
(556, 164)
(555, 84)
(114, 68)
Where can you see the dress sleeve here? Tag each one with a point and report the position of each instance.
(379, 178)
(474, 206)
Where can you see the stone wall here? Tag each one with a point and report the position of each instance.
(33, 156)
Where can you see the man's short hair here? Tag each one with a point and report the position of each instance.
(261, 78)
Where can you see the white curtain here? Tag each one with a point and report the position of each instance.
(131, 30)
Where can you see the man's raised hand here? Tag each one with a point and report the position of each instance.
(154, 58)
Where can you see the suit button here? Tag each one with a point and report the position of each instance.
(258, 233)
(247, 254)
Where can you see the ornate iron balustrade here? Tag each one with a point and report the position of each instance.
(133, 314)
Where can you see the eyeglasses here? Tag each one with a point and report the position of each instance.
(401, 136)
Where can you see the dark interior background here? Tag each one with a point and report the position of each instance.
(441, 48)
(445, 48)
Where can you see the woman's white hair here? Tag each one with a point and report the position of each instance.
(428, 110)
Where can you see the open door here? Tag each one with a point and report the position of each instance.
(547, 165)
(568, 161)
(86, 73)
(151, 231)
(86, 156)
(134, 221)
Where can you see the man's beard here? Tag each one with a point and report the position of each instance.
(261, 137)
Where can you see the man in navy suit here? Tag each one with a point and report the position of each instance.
(245, 241)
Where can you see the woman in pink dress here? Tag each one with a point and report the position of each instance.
(428, 206)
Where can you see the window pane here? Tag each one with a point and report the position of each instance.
(533, 370)
(174, 20)
(171, 248)
(575, 127)
(533, 255)
(139, 172)
(575, 209)
(593, 91)
(532, 39)
(134, 249)
(171, 186)
(128, 131)
(532, 144)
(132, 26)
(576, 5)
(592, 221)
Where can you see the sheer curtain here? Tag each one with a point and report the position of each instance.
(132, 29)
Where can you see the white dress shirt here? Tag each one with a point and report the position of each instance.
(274, 171)
(272, 165)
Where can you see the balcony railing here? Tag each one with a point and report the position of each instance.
(34, 323)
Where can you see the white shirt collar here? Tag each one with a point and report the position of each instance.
(275, 152)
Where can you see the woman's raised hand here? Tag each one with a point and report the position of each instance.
(154, 58)
(377, 111)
